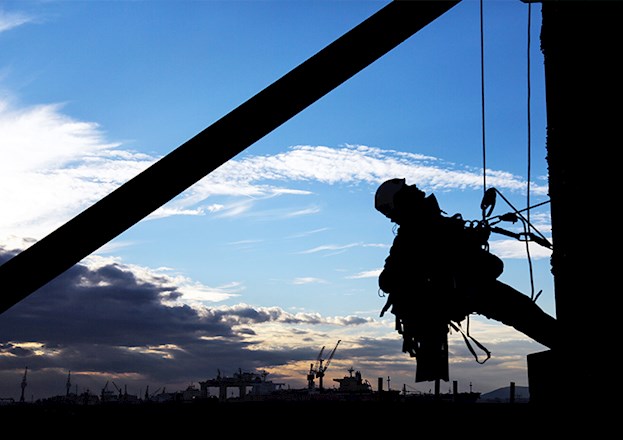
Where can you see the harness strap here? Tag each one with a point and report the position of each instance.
(469, 346)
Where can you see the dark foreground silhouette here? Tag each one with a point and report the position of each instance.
(290, 419)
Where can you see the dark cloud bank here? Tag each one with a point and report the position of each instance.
(105, 324)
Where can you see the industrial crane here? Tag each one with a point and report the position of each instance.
(68, 384)
(320, 369)
(24, 383)
(313, 368)
(119, 390)
(148, 395)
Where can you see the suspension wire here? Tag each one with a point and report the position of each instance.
(529, 117)
(527, 226)
(499, 218)
(482, 99)
(518, 212)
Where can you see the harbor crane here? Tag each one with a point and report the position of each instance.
(313, 368)
(68, 384)
(24, 383)
(320, 369)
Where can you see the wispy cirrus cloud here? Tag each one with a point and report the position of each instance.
(366, 274)
(12, 20)
(53, 166)
(308, 280)
(330, 248)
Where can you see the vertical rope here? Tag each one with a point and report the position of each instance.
(529, 115)
(482, 99)
(529, 171)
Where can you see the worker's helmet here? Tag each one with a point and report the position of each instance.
(384, 197)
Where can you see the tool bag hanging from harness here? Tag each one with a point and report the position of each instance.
(423, 279)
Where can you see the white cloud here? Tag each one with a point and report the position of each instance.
(507, 249)
(302, 212)
(346, 165)
(366, 274)
(53, 166)
(307, 233)
(11, 20)
(330, 247)
(307, 280)
(42, 137)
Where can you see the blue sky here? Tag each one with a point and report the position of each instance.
(276, 253)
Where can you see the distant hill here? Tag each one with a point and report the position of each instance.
(522, 394)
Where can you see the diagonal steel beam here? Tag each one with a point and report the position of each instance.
(127, 205)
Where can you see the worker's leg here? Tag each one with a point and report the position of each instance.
(502, 303)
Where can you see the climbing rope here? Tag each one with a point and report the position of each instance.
(482, 99)
(529, 232)
(529, 159)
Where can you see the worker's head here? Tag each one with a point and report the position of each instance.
(393, 197)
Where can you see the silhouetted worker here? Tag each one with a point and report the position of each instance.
(439, 270)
